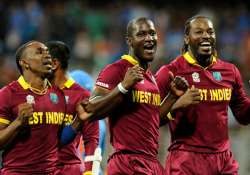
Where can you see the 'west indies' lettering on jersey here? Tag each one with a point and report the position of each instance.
(56, 118)
(146, 97)
(216, 94)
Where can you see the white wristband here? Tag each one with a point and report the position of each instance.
(122, 89)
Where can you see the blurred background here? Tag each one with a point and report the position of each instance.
(95, 32)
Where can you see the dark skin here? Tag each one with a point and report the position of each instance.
(36, 64)
(142, 43)
(201, 40)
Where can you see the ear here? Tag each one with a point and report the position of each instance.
(129, 41)
(186, 39)
(55, 64)
(22, 63)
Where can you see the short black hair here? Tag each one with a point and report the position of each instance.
(60, 51)
(130, 26)
(19, 54)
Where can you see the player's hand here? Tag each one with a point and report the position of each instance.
(81, 110)
(178, 86)
(132, 76)
(190, 97)
(25, 111)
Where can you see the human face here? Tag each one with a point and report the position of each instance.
(201, 37)
(37, 59)
(143, 41)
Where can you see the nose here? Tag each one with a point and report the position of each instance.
(149, 37)
(205, 35)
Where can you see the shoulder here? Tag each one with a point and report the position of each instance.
(80, 89)
(117, 66)
(174, 65)
(226, 65)
(10, 88)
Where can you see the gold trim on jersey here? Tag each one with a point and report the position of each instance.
(4, 121)
(26, 86)
(69, 83)
(193, 61)
(169, 116)
(130, 59)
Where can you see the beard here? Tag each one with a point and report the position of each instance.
(50, 76)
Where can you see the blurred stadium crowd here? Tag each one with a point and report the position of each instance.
(95, 31)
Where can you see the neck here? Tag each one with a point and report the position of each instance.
(202, 60)
(35, 81)
(143, 64)
(60, 78)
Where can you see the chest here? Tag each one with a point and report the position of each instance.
(47, 109)
(146, 91)
(213, 84)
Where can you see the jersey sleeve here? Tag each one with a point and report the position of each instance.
(163, 80)
(5, 106)
(110, 76)
(90, 136)
(240, 103)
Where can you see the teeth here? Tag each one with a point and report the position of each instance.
(205, 44)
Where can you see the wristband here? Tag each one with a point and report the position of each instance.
(68, 135)
(122, 89)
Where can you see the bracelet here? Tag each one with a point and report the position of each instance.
(122, 89)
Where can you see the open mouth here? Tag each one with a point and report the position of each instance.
(48, 63)
(149, 48)
(205, 45)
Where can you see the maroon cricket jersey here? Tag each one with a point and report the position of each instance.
(204, 127)
(34, 149)
(69, 154)
(134, 124)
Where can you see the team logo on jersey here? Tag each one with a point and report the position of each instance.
(196, 77)
(30, 99)
(217, 76)
(53, 98)
(67, 99)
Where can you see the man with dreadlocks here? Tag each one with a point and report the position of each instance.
(199, 130)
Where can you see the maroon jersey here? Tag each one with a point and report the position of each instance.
(134, 124)
(34, 149)
(204, 127)
(69, 154)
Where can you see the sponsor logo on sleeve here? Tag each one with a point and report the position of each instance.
(102, 84)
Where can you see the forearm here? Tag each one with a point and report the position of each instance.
(100, 107)
(242, 114)
(166, 107)
(8, 134)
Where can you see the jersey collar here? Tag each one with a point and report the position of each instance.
(26, 85)
(130, 59)
(23, 83)
(69, 83)
(193, 61)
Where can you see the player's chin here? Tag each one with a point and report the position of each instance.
(149, 56)
(205, 52)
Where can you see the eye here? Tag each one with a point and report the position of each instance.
(140, 34)
(199, 32)
(210, 32)
(152, 33)
(39, 51)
